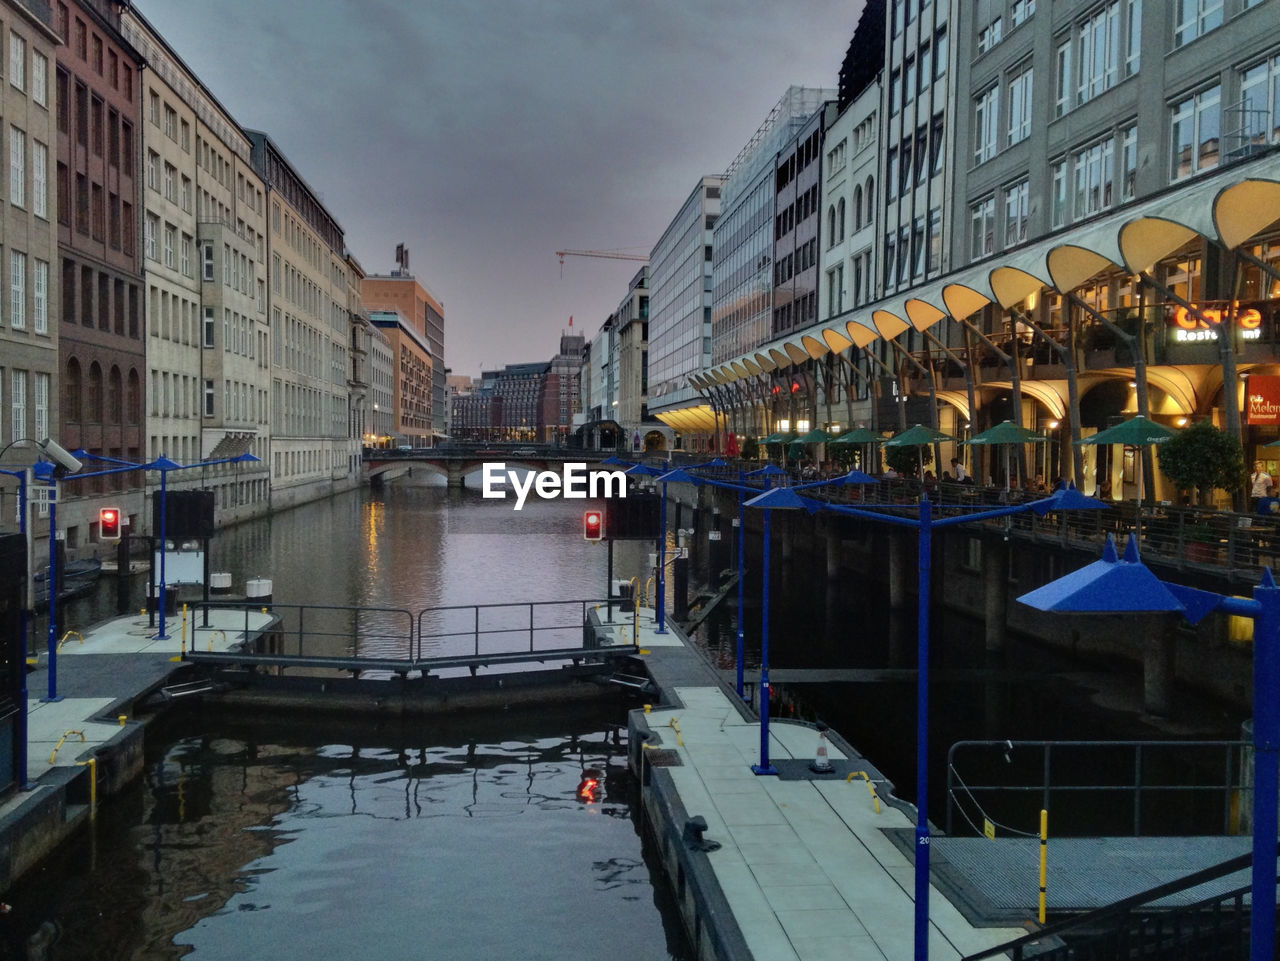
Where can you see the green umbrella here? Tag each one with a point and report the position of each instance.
(861, 435)
(918, 436)
(796, 450)
(1134, 432)
(777, 437)
(1007, 433)
(817, 436)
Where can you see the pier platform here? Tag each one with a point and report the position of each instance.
(810, 868)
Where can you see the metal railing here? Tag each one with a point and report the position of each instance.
(1137, 927)
(1109, 778)
(485, 629)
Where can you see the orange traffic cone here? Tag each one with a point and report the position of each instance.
(821, 764)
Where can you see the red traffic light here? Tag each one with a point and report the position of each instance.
(593, 525)
(109, 524)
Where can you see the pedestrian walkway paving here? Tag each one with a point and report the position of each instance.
(804, 863)
(98, 673)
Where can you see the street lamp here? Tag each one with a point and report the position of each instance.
(1125, 585)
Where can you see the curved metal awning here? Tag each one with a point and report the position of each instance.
(1245, 208)
(1051, 393)
(699, 419)
(957, 399)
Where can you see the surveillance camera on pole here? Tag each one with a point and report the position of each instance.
(61, 456)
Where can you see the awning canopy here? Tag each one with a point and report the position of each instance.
(1229, 207)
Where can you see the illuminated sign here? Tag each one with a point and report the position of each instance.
(1189, 328)
(1262, 399)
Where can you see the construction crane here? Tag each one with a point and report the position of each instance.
(607, 254)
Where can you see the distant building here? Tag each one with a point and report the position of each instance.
(312, 451)
(401, 291)
(680, 315)
(411, 401)
(562, 390)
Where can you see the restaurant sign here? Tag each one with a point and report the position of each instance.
(1262, 400)
(1187, 327)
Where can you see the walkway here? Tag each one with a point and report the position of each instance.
(805, 864)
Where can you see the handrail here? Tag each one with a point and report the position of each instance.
(1043, 753)
(1091, 919)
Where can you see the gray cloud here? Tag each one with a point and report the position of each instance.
(486, 134)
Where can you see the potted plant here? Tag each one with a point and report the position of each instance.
(1202, 458)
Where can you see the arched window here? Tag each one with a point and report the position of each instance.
(133, 407)
(72, 388)
(871, 200)
(115, 395)
(831, 224)
(857, 207)
(95, 394)
(840, 218)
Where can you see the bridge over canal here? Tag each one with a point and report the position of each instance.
(456, 461)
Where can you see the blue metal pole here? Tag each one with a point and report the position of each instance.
(662, 565)
(1266, 768)
(764, 767)
(925, 549)
(53, 592)
(740, 656)
(23, 720)
(163, 598)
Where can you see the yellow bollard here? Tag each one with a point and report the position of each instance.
(674, 724)
(62, 740)
(75, 634)
(647, 708)
(871, 788)
(93, 785)
(122, 718)
(1044, 857)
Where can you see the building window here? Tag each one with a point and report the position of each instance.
(1020, 105)
(982, 220)
(17, 167)
(185, 261)
(1129, 162)
(208, 398)
(1058, 197)
(1020, 11)
(40, 78)
(1260, 105)
(17, 61)
(986, 124)
(18, 392)
(1062, 78)
(41, 425)
(171, 183)
(1195, 18)
(152, 227)
(1195, 133)
(39, 179)
(1133, 36)
(153, 170)
(1094, 177)
(1016, 201)
(206, 257)
(1099, 49)
(990, 35)
(40, 297)
(209, 328)
(17, 290)
(170, 123)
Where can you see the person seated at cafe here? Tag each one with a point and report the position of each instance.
(946, 477)
(929, 479)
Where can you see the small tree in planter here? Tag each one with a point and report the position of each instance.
(906, 460)
(1202, 458)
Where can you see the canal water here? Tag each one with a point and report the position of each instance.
(463, 839)
(466, 837)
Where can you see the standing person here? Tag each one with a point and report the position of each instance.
(1259, 481)
(961, 473)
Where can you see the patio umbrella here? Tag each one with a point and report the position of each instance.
(1134, 432)
(731, 445)
(817, 436)
(862, 436)
(918, 436)
(1006, 434)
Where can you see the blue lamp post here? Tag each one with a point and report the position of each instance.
(24, 528)
(1125, 585)
(44, 471)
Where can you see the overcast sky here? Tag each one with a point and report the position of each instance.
(488, 134)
